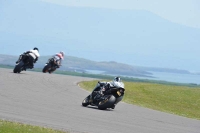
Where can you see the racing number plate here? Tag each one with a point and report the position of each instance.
(119, 93)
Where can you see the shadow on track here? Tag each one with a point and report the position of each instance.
(93, 107)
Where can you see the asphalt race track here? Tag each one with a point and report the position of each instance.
(54, 101)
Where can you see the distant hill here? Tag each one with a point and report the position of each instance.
(79, 64)
(82, 65)
(126, 36)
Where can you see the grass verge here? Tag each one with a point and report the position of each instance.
(179, 100)
(15, 127)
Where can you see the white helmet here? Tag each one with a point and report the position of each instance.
(117, 83)
(62, 53)
(117, 79)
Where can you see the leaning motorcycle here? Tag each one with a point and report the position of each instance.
(108, 100)
(50, 66)
(23, 63)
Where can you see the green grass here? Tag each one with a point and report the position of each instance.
(14, 127)
(179, 100)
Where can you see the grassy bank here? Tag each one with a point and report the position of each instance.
(179, 100)
(13, 127)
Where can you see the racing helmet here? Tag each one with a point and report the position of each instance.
(117, 83)
(117, 79)
(62, 53)
(36, 49)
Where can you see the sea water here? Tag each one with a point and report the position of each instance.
(176, 77)
(165, 76)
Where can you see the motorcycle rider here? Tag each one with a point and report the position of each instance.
(103, 88)
(58, 57)
(33, 57)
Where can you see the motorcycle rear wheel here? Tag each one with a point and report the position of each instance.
(108, 102)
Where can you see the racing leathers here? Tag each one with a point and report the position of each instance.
(58, 58)
(100, 89)
(33, 57)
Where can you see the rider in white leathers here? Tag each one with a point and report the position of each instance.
(33, 56)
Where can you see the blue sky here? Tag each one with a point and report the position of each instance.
(186, 12)
(152, 33)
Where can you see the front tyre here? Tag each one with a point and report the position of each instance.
(46, 68)
(108, 102)
(85, 102)
(18, 67)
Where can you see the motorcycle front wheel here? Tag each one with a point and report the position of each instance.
(18, 67)
(46, 68)
(85, 102)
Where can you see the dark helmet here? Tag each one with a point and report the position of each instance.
(117, 79)
(36, 49)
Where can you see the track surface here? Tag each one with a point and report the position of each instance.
(54, 101)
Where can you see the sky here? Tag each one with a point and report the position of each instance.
(151, 33)
(185, 12)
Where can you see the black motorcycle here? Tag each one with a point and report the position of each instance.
(22, 63)
(51, 66)
(107, 100)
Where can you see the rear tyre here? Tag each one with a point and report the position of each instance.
(18, 67)
(108, 102)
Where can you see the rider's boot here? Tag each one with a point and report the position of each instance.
(113, 106)
(50, 71)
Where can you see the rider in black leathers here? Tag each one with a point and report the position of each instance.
(102, 88)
